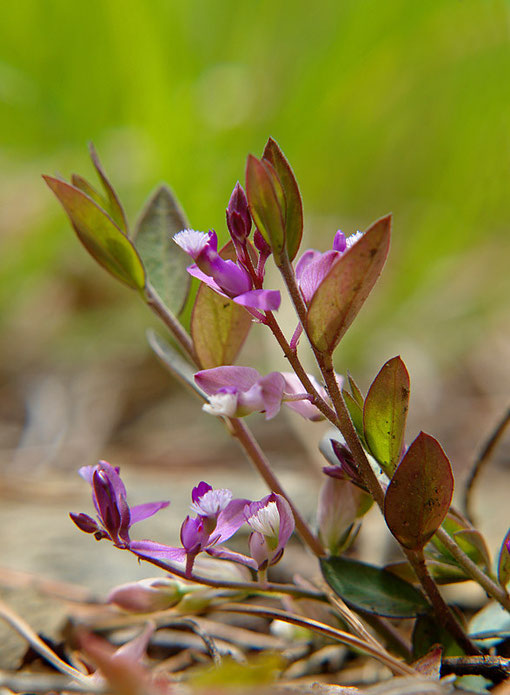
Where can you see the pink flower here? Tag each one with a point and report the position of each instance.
(313, 266)
(115, 517)
(227, 278)
(272, 524)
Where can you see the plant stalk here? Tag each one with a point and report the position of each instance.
(441, 609)
(494, 590)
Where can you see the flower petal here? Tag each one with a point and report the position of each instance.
(143, 511)
(265, 300)
(158, 551)
(213, 380)
(230, 520)
(315, 272)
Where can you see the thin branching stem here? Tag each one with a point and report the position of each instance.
(325, 363)
(249, 587)
(239, 429)
(494, 590)
(442, 611)
(155, 302)
(482, 459)
(257, 457)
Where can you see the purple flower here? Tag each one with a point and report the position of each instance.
(114, 515)
(344, 467)
(272, 525)
(239, 391)
(238, 215)
(313, 266)
(219, 517)
(227, 278)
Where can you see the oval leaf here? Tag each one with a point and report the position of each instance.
(115, 209)
(345, 288)
(99, 234)
(385, 414)
(372, 589)
(504, 562)
(267, 202)
(164, 262)
(419, 494)
(219, 327)
(294, 205)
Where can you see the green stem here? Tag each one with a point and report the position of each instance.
(494, 590)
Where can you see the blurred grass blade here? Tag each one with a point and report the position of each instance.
(115, 208)
(175, 363)
(385, 414)
(99, 234)
(420, 493)
(294, 205)
(164, 262)
(345, 288)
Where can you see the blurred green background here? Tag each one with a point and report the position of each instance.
(380, 105)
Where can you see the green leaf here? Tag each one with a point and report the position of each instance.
(267, 203)
(419, 494)
(219, 326)
(427, 633)
(81, 183)
(504, 562)
(165, 263)
(345, 288)
(355, 411)
(99, 234)
(469, 539)
(385, 414)
(115, 209)
(356, 393)
(372, 589)
(294, 205)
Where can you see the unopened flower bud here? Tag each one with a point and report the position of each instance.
(147, 595)
(340, 505)
(238, 215)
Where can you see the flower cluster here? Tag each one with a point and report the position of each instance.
(238, 280)
(217, 517)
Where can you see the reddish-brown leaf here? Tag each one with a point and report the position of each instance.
(419, 495)
(345, 288)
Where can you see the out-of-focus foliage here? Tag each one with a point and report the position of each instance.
(378, 105)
